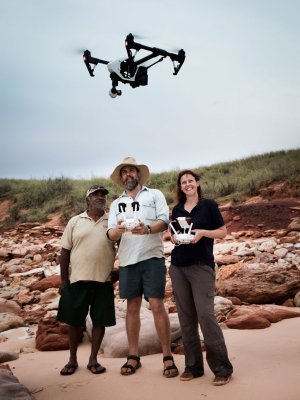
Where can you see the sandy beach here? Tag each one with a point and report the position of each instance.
(266, 364)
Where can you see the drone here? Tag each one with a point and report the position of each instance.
(132, 71)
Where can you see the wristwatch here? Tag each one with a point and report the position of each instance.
(149, 228)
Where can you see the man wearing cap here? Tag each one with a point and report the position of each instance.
(86, 263)
(142, 268)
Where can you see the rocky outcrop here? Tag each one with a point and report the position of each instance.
(6, 356)
(10, 321)
(259, 283)
(52, 335)
(11, 388)
(115, 342)
(46, 283)
(257, 317)
(254, 267)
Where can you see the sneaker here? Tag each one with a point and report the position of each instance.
(186, 376)
(221, 380)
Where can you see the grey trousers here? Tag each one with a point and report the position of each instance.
(194, 288)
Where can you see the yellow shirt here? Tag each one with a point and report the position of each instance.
(92, 254)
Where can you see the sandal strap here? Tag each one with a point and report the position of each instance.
(133, 357)
(168, 358)
(171, 367)
(131, 367)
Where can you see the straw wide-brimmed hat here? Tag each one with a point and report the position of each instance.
(143, 170)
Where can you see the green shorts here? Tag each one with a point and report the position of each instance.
(80, 298)
(146, 278)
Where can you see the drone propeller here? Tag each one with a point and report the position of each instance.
(174, 50)
(79, 51)
(137, 36)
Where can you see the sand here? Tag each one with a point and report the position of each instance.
(266, 367)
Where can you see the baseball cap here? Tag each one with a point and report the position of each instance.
(96, 188)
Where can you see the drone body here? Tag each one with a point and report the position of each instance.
(129, 70)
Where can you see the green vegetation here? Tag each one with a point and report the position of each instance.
(38, 200)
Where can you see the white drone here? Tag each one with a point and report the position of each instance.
(129, 70)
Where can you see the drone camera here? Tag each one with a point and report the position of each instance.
(114, 92)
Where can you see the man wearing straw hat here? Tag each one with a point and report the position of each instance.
(142, 268)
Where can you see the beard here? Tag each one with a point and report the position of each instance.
(130, 184)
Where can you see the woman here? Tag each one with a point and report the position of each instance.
(193, 279)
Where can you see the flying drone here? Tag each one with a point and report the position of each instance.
(132, 71)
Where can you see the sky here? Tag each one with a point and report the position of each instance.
(236, 95)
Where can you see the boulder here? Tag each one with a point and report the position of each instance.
(9, 292)
(259, 284)
(52, 335)
(49, 296)
(115, 340)
(226, 259)
(9, 306)
(11, 388)
(249, 321)
(6, 356)
(297, 299)
(295, 224)
(52, 281)
(257, 316)
(10, 321)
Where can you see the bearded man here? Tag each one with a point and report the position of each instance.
(142, 269)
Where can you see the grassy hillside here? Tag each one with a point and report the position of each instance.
(38, 200)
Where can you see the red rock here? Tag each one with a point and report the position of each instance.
(32, 316)
(52, 281)
(289, 303)
(52, 335)
(262, 285)
(168, 290)
(257, 317)
(235, 300)
(248, 322)
(179, 349)
(172, 308)
(226, 259)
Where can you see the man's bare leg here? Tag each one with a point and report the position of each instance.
(97, 337)
(74, 338)
(162, 324)
(133, 325)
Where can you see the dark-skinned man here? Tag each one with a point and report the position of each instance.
(86, 263)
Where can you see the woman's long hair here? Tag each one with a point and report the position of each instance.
(180, 196)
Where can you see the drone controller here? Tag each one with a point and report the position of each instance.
(133, 222)
(185, 237)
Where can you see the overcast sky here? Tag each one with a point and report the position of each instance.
(237, 94)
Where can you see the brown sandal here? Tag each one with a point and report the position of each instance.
(131, 367)
(69, 369)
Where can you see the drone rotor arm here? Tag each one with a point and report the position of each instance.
(151, 65)
(179, 58)
(88, 60)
